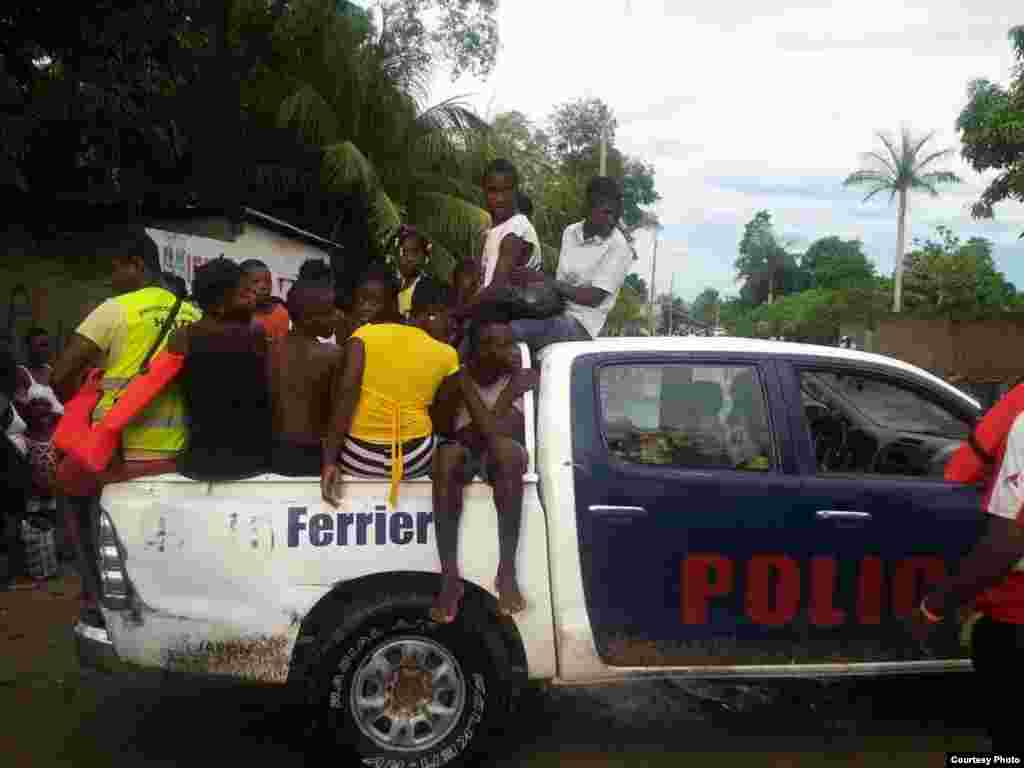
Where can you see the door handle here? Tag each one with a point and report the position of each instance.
(835, 514)
(603, 510)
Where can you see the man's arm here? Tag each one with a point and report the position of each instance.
(80, 355)
(992, 558)
(585, 295)
(512, 254)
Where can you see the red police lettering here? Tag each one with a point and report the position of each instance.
(773, 588)
(773, 602)
(869, 591)
(906, 582)
(823, 591)
(698, 585)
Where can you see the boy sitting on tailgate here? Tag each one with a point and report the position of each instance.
(479, 418)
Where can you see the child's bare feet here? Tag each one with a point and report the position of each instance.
(446, 606)
(510, 599)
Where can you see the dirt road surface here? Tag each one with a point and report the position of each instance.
(54, 714)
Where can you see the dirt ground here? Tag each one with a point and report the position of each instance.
(54, 714)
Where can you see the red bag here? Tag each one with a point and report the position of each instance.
(75, 424)
(97, 448)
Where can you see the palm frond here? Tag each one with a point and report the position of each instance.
(449, 220)
(452, 115)
(308, 112)
(929, 182)
(894, 152)
(387, 216)
(870, 178)
(940, 154)
(345, 166)
(912, 147)
(885, 162)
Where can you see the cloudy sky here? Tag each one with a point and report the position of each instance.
(748, 105)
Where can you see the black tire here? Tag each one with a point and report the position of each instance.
(345, 663)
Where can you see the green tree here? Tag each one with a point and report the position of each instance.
(629, 313)
(954, 278)
(706, 306)
(767, 268)
(637, 283)
(900, 168)
(991, 129)
(462, 34)
(334, 89)
(834, 263)
(575, 139)
(514, 137)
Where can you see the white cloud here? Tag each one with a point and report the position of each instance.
(776, 94)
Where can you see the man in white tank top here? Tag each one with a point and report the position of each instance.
(479, 417)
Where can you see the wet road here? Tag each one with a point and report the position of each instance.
(56, 715)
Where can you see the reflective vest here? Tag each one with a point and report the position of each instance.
(160, 429)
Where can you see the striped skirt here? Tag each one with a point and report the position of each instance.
(362, 459)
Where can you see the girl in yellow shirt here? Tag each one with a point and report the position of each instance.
(381, 424)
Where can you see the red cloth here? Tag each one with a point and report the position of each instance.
(276, 322)
(1005, 601)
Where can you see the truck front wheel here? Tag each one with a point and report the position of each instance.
(405, 692)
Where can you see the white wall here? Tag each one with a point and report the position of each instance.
(181, 254)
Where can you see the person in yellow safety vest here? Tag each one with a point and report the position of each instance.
(115, 336)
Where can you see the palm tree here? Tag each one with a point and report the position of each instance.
(348, 93)
(900, 169)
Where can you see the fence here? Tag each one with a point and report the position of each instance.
(983, 356)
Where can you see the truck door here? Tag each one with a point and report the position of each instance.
(685, 492)
(871, 443)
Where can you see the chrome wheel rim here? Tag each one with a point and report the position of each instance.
(408, 694)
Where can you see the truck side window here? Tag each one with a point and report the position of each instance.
(873, 425)
(692, 416)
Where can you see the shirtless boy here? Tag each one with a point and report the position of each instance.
(479, 416)
(300, 372)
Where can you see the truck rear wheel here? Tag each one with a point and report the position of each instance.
(405, 692)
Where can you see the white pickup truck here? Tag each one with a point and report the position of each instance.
(700, 507)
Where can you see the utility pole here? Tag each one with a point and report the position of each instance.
(654, 263)
(604, 150)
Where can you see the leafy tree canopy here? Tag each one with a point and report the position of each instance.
(954, 278)
(991, 129)
(834, 263)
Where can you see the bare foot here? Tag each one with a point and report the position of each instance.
(446, 607)
(510, 599)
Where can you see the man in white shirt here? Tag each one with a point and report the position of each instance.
(592, 267)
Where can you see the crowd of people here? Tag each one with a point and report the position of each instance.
(409, 376)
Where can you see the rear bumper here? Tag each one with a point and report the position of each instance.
(95, 649)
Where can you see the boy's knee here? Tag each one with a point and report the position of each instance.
(509, 455)
(450, 459)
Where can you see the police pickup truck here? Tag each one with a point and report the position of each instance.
(701, 507)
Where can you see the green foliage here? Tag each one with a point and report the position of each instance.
(556, 165)
(336, 90)
(992, 134)
(807, 315)
(767, 269)
(637, 283)
(834, 264)
(955, 279)
(629, 313)
(903, 165)
(706, 306)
